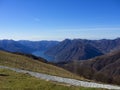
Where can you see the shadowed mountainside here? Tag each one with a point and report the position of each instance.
(73, 50)
(104, 68)
(82, 49)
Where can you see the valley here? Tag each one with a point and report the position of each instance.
(64, 51)
(26, 64)
(59, 44)
(79, 59)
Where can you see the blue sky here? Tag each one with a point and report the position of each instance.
(59, 19)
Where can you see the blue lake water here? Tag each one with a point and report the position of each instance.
(41, 54)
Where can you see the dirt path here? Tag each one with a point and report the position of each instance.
(64, 80)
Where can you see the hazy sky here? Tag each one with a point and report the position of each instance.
(59, 19)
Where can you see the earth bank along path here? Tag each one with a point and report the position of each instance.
(69, 81)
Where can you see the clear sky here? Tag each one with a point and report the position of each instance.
(59, 19)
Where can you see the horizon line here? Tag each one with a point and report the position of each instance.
(61, 40)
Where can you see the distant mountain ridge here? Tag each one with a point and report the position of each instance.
(38, 45)
(25, 46)
(1, 49)
(82, 49)
(64, 51)
(73, 50)
(14, 46)
(106, 45)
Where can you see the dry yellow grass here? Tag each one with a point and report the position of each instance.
(23, 62)
(10, 80)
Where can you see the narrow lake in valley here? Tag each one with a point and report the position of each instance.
(41, 54)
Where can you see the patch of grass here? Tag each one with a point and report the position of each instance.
(19, 81)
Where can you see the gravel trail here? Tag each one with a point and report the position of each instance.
(64, 80)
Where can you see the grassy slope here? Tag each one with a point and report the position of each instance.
(104, 68)
(23, 62)
(18, 81)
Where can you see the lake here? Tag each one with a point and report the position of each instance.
(41, 54)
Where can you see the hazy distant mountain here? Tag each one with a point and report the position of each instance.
(104, 68)
(65, 51)
(1, 49)
(80, 49)
(39, 45)
(106, 45)
(31, 47)
(13, 46)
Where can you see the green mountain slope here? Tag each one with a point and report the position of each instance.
(24, 62)
(18, 81)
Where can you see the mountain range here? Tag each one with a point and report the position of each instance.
(14, 46)
(72, 50)
(93, 59)
(38, 45)
(82, 49)
(64, 51)
(27, 47)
